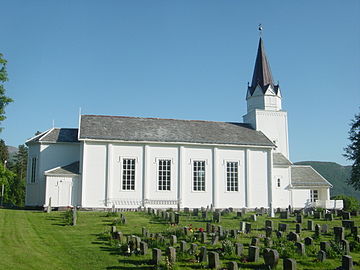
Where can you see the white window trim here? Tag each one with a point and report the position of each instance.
(192, 174)
(312, 197)
(224, 164)
(171, 173)
(121, 161)
(31, 169)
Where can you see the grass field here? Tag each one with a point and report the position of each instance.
(38, 240)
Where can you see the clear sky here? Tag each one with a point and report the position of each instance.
(182, 59)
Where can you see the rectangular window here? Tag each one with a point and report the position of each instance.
(33, 170)
(199, 175)
(164, 172)
(232, 182)
(278, 182)
(128, 174)
(314, 196)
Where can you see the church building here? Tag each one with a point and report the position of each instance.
(161, 163)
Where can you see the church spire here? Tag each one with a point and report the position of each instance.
(262, 73)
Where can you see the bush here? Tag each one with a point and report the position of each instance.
(350, 203)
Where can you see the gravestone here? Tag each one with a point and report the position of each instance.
(156, 256)
(308, 241)
(346, 215)
(317, 230)
(214, 261)
(119, 236)
(283, 227)
(247, 227)
(354, 231)
(345, 247)
(284, 215)
(171, 254)
(173, 240)
(177, 218)
(204, 215)
(208, 227)
(348, 224)
(329, 217)
(144, 232)
(339, 234)
(203, 237)
(186, 210)
(203, 255)
(298, 228)
(347, 262)
(196, 212)
(268, 242)
(49, 206)
(242, 226)
(183, 246)
(74, 216)
(186, 230)
(243, 211)
(216, 217)
(220, 231)
(143, 248)
(268, 231)
(255, 241)
(238, 249)
(293, 237)
(253, 218)
(233, 233)
(233, 266)
(279, 234)
(321, 256)
(269, 223)
(300, 248)
(238, 214)
(271, 258)
(299, 219)
(317, 215)
(289, 264)
(215, 239)
(310, 225)
(324, 228)
(254, 253)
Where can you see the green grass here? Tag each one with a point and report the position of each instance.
(37, 240)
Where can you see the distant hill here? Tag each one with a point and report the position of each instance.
(336, 175)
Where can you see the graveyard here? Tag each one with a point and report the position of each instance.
(189, 239)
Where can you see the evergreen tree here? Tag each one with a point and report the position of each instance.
(19, 168)
(352, 152)
(4, 153)
(4, 100)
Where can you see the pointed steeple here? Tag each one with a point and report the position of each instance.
(262, 73)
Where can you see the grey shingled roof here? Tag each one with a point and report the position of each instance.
(122, 128)
(280, 160)
(56, 135)
(307, 177)
(70, 169)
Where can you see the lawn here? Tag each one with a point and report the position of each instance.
(38, 240)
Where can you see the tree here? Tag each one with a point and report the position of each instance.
(17, 190)
(350, 203)
(4, 152)
(352, 152)
(4, 100)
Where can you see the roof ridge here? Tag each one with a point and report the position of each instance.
(158, 118)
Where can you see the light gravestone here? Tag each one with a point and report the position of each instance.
(238, 249)
(203, 255)
(171, 253)
(156, 256)
(233, 266)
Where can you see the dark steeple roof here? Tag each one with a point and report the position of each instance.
(262, 72)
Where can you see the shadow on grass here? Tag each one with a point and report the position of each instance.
(59, 221)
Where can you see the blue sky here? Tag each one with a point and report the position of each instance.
(182, 59)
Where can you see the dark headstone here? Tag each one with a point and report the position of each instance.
(215, 239)
(279, 234)
(300, 248)
(298, 228)
(354, 231)
(289, 264)
(321, 256)
(143, 248)
(208, 227)
(308, 241)
(329, 217)
(203, 255)
(268, 231)
(156, 256)
(293, 237)
(345, 247)
(346, 215)
(232, 266)
(238, 249)
(171, 254)
(193, 248)
(187, 210)
(310, 225)
(284, 215)
(255, 241)
(177, 218)
(339, 234)
(348, 224)
(317, 230)
(253, 217)
(216, 217)
(283, 227)
(254, 253)
(203, 237)
(204, 215)
(247, 227)
(324, 246)
(347, 262)
(239, 214)
(195, 212)
(318, 215)
(269, 223)
(214, 261)
(271, 258)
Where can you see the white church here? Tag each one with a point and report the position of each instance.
(161, 163)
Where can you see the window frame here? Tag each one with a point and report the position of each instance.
(226, 162)
(158, 160)
(314, 193)
(122, 159)
(33, 170)
(193, 175)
